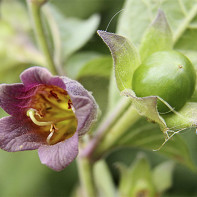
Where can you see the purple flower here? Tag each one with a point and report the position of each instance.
(47, 113)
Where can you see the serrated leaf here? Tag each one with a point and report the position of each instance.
(125, 56)
(99, 67)
(158, 37)
(162, 176)
(69, 34)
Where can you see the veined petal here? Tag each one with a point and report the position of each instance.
(84, 104)
(60, 155)
(48, 113)
(37, 75)
(14, 98)
(19, 134)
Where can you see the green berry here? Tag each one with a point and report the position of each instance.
(167, 74)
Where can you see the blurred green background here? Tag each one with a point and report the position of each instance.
(86, 58)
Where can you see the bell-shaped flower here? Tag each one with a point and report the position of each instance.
(47, 113)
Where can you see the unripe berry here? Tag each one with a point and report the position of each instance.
(167, 74)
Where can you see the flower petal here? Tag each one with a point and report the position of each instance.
(19, 134)
(14, 98)
(84, 104)
(60, 155)
(37, 75)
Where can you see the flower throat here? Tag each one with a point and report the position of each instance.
(51, 109)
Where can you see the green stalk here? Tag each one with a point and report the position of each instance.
(105, 126)
(119, 128)
(86, 177)
(35, 12)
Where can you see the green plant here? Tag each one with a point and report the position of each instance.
(167, 74)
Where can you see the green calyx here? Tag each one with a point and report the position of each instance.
(167, 74)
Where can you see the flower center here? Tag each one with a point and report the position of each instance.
(51, 109)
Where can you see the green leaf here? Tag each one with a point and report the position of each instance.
(79, 8)
(77, 61)
(17, 53)
(136, 178)
(158, 37)
(182, 32)
(185, 118)
(16, 14)
(69, 34)
(18, 46)
(103, 179)
(126, 60)
(135, 18)
(162, 176)
(15, 167)
(100, 67)
(6, 71)
(113, 94)
(137, 15)
(99, 88)
(147, 106)
(125, 179)
(125, 56)
(147, 136)
(188, 41)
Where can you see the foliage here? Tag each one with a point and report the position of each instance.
(142, 28)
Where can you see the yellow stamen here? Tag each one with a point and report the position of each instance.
(31, 113)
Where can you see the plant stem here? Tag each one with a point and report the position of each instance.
(185, 23)
(35, 11)
(86, 177)
(122, 125)
(105, 126)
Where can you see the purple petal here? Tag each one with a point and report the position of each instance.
(84, 104)
(14, 98)
(19, 134)
(37, 75)
(60, 155)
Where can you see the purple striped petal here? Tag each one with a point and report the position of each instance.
(37, 75)
(84, 104)
(15, 98)
(60, 155)
(19, 134)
